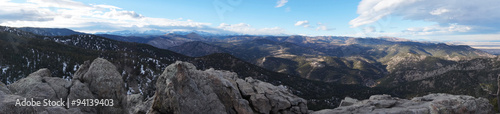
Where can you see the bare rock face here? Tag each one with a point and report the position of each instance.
(104, 82)
(182, 89)
(37, 86)
(432, 103)
(4, 89)
(98, 80)
(137, 105)
(34, 86)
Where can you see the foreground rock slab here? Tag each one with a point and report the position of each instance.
(429, 104)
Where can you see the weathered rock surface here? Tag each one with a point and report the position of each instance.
(33, 87)
(137, 105)
(182, 89)
(98, 80)
(104, 81)
(432, 103)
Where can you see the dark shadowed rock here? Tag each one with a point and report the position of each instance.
(183, 89)
(432, 103)
(137, 105)
(4, 89)
(60, 86)
(80, 91)
(81, 71)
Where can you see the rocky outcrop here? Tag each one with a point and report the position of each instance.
(33, 87)
(98, 80)
(104, 81)
(182, 89)
(432, 103)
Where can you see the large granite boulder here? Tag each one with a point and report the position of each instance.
(429, 104)
(37, 86)
(104, 82)
(182, 89)
(98, 80)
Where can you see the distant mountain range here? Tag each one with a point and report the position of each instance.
(162, 32)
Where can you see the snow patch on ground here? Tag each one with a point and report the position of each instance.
(64, 66)
(75, 67)
(142, 69)
(4, 69)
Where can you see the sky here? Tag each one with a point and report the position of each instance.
(462, 21)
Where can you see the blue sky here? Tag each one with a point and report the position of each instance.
(429, 20)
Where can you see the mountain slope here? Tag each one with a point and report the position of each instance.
(197, 48)
(357, 60)
(50, 31)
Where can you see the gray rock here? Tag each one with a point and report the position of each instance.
(34, 86)
(267, 98)
(137, 105)
(432, 103)
(4, 89)
(348, 101)
(98, 80)
(56, 110)
(59, 85)
(81, 71)
(38, 86)
(7, 105)
(104, 81)
(183, 89)
(80, 91)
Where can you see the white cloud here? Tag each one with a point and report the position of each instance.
(369, 29)
(247, 29)
(59, 4)
(482, 13)
(437, 29)
(304, 23)
(14, 11)
(439, 11)
(322, 26)
(281, 3)
(318, 26)
(86, 17)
